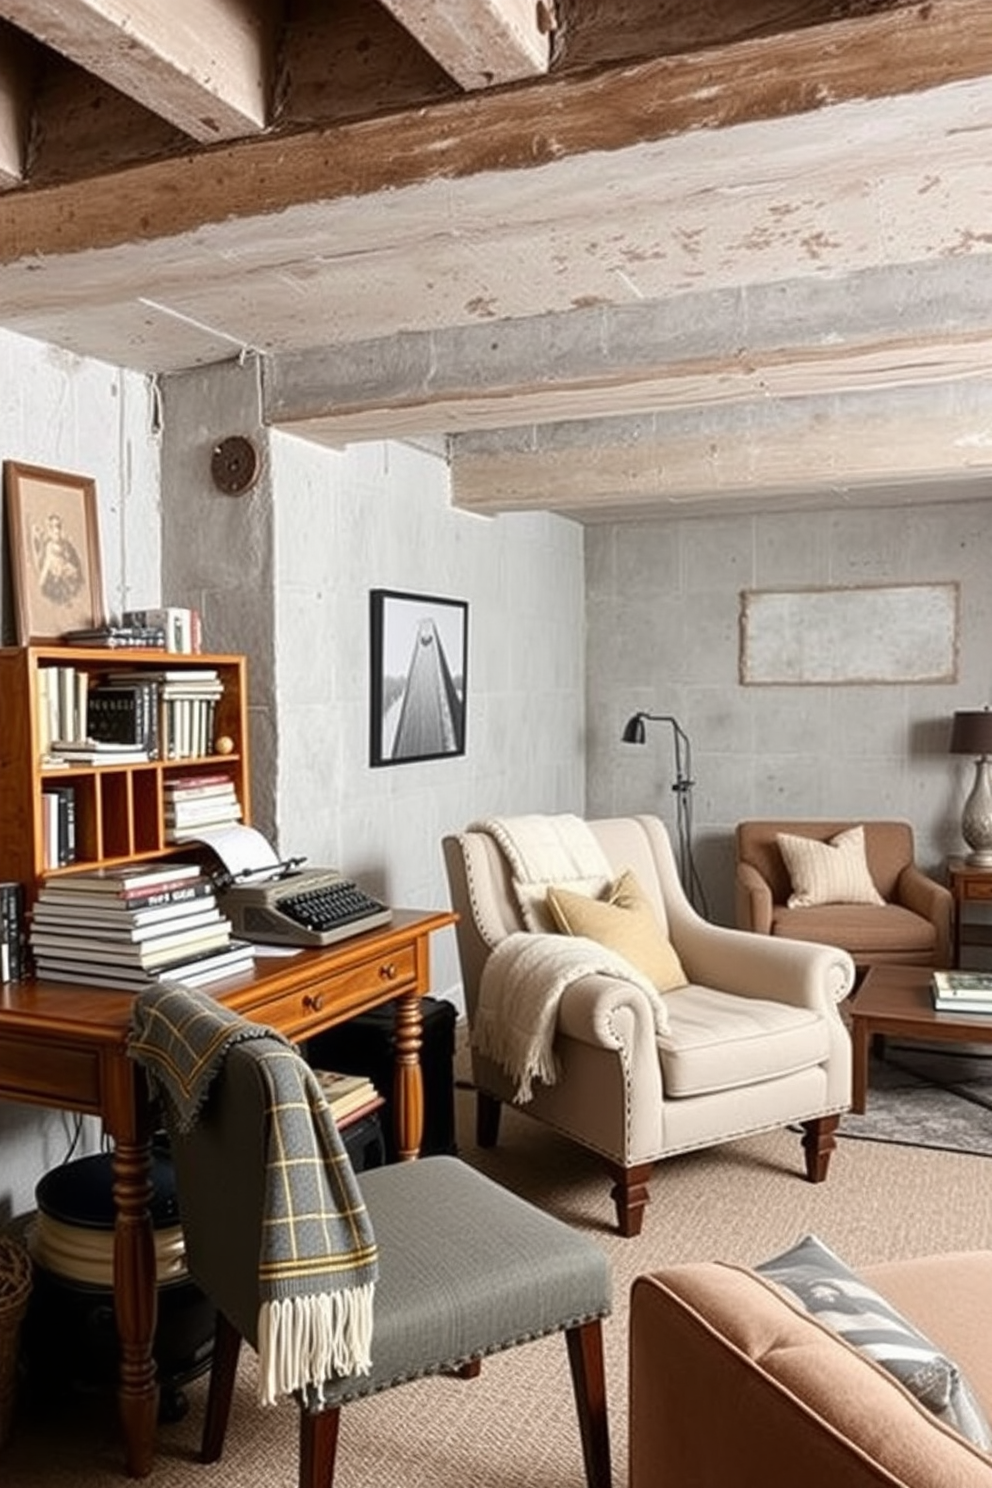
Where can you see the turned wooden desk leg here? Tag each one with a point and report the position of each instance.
(409, 1080)
(135, 1302)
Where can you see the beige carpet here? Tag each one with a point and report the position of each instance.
(513, 1427)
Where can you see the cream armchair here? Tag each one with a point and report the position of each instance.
(755, 1041)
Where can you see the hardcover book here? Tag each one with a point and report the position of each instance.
(962, 984)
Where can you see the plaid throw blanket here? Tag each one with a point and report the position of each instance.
(318, 1265)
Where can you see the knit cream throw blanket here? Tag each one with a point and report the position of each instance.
(545, 850)
(520, 989)
(318, 1266)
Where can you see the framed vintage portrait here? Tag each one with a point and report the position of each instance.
(419, 663)
(54, 543)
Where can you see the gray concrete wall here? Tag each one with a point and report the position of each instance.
(663, 608)
(86, 418)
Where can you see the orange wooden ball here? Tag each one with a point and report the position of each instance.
(225, 744)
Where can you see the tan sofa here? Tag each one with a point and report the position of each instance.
(913, 927)
(733, 1386)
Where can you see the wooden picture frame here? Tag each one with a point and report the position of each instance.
(419, 674)
(54, 543)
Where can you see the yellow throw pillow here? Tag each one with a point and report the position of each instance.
(834, 872)
(625, 922)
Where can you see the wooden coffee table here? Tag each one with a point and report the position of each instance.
(896, 1000)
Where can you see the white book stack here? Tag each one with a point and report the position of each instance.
(132, 926)
(193, 802)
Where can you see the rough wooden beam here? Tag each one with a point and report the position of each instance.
(18, 57)
(903, 51)
(771, 445)
(204, 65)
(480, 42)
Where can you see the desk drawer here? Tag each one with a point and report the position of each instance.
(978, 888)
(338, 995)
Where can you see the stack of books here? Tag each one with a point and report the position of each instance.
(962, 991)
(193, 802)
(132, 926)
(350, 1097)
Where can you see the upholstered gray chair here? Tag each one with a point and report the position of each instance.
(465, 1269)
(754, 1039)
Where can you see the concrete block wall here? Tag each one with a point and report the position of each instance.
(663, 611)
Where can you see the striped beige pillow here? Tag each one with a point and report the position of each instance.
(834, 872)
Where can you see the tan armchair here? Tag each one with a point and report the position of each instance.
(913, 926)
(755, 1041)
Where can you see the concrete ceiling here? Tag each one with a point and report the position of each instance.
(622, 260)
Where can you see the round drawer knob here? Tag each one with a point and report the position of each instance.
(313, 1002)
(388, 971)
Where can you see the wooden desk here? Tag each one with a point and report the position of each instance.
(65, 1046)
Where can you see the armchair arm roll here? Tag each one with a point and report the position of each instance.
(934, 901)
(753, 899)
(799, 972)
(615, 1016)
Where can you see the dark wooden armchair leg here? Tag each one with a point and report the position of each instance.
(223, 1372)
(818, 1143)
(630, 1195)
(318, 1446)
(487, 1114)
(585, 1356)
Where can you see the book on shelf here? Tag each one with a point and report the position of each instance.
(180, 626)
(124, 713)
(97, 752)
(194, 787)
(126, 879)
(237, 957)
(349, 1096)
(116, 637)
(58, 803)
(13, 931)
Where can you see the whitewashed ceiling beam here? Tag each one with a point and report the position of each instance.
(206, 66)
(481, 42)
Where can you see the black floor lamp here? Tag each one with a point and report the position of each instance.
(634, 733)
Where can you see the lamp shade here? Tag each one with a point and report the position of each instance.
(971, 733)
(633, 732)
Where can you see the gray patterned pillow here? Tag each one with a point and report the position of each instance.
(830, 1291)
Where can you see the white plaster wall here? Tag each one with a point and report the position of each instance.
(70, 414)
(663, 604)
(379, 516)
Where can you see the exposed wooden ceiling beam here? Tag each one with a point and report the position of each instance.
(481, 42)
(17, 70)
(207, 66)
(901, 51)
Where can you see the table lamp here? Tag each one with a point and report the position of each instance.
(971, 733)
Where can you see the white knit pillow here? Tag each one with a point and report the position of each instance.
(834, 872)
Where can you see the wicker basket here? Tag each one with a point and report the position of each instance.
(15, 1289)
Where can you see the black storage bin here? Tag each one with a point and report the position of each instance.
(365, 1045)
(364, 1143)
(70, 1334)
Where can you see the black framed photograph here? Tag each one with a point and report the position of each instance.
(419, 666)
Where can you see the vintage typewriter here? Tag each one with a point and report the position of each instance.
(299, 906)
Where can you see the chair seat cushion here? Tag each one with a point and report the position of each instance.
(466, 1268)
(718, 1041)
(858, 928)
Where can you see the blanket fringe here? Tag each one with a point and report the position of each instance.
(305, 1342)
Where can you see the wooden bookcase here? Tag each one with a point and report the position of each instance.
(119, 809)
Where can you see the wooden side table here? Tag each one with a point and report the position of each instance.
(968, 884)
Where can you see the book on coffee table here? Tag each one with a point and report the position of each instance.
(962, 991)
